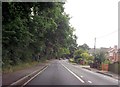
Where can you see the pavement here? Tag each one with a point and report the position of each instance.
(108, 73)
(92, 75)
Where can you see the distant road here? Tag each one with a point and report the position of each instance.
(60, 72)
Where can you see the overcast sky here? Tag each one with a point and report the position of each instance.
(94, 18)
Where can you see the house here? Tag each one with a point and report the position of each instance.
(114, 57)
(119, 54)
(113, 54)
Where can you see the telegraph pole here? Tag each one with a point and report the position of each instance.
(95, 53)
(95, 46)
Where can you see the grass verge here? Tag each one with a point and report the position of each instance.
(20, 66)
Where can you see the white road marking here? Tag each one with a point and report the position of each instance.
(73, 74)
(81, 76)
(23, 78)
(34, 76)
(89, 81)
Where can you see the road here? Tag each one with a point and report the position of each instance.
(61, 72)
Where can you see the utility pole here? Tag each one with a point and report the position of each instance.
(95, 62)
(95, 46)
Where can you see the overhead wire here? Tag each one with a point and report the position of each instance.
(107, 34)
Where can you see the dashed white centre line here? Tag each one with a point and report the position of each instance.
(81, 76)
(73, 74)
(89, 81)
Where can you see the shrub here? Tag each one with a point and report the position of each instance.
(71, 60)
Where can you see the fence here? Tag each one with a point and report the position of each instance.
(114, 67)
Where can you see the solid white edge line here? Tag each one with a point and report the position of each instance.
(23, 78)
(34, 76)
(73, 74)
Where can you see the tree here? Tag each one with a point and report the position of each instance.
(84, 47)
(35, 31)
(87, 58)
(83, 55)
(99, 58)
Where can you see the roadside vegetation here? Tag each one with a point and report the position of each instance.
(19, 67)
(71, 60)
(83, 57)
(33, 32)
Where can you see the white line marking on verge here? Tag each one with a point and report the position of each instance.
(89, 81)
(34, 76)
(73, 74)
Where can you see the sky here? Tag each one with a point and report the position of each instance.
(94, 18)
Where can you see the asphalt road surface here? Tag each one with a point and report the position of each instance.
(61, 72)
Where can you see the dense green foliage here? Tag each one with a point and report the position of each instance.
(84, 47)
(100, 57)
(81, 54)
(35, 31)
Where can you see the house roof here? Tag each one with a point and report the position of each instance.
(113, 50)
